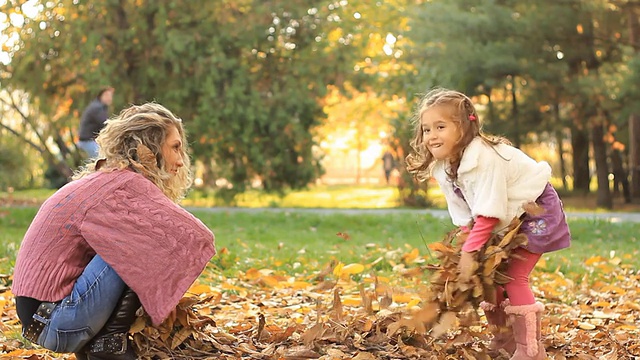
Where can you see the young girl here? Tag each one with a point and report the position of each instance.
(111, 240)
(486, 180)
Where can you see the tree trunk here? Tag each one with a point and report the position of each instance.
(358, 152)
(580, 147)
(634, 119)
(514, 113)
(560, 140)
(604, 199)
(52, 161)
(620, 176)
(634, 155)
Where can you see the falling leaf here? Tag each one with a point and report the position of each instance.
(441, 248)
(447, 321)
(534, 209)
(410, 257)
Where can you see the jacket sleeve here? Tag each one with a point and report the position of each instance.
(156, 247)
(489, 187)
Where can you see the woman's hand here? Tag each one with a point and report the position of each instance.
(173, 315)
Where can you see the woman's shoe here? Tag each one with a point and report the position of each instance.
(112, 341)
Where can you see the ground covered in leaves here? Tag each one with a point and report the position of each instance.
(348, 311)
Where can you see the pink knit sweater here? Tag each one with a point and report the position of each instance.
(156, 247)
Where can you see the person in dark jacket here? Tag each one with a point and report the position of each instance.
(93, 119)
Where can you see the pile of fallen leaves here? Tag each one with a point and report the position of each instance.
(374, 332)
(346, 311)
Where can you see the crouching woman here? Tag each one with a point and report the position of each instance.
(111, 240)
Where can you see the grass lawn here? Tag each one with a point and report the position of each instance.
(303, 241)
(269, 261)
(297, 242)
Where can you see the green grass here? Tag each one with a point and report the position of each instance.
(300, 242)
(13, 225)
(288, 240)
(335, 196)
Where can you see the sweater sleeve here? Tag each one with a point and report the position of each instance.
(480, 233)
(156, 247)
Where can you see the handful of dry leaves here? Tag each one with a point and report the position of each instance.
(448, 301)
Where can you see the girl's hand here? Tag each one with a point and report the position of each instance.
(467, 266)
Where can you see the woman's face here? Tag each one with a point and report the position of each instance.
(172, 151)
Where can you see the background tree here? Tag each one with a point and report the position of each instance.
(538, 64)
(246, 76)
(250, 77)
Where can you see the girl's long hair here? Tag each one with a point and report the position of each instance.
(134, 139)
(463, 114)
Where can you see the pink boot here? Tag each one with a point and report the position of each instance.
(526, 330)
(502, 334)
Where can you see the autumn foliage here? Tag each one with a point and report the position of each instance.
(449, 302)
(347, 311)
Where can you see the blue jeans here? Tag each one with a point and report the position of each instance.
(79, 316)
(90, 147)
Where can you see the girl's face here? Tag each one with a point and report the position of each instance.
(440, 133)
(172, 151)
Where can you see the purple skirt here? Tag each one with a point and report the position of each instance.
(549, 231)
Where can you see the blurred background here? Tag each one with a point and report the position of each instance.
(313, 99)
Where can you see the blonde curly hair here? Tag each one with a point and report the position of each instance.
(463, 114)
(134, 139)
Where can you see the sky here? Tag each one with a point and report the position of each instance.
(30, 9)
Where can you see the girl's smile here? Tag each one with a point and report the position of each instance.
(440, 133)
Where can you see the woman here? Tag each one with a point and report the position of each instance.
(112, 239)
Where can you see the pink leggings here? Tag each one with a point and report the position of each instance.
(519, 269)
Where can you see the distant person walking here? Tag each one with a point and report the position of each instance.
(93, 119)
(388, 164)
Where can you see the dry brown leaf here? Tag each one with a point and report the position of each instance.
(364, 356)
(336, 306)
(532, 208)
(222, 321)
(180, 337)
(446, 322)
(312, 334)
